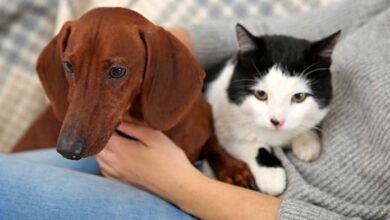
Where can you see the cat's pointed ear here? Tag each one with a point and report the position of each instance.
(324, 47)
(246, 41)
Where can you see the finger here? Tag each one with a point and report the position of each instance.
(117, 143)
(112, 144)
(106, 158)
(107, 155)
(142, 133)
(107, 175)
(106, 168)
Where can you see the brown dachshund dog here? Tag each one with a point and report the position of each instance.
(113, 65)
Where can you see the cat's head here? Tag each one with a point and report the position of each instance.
(282, 82)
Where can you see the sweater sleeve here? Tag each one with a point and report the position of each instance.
(298, 210)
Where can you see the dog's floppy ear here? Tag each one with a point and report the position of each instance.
(51, 72)
(172, 82)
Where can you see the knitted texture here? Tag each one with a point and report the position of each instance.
(25, 28)
(351, 179)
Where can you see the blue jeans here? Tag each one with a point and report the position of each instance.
(42, 185)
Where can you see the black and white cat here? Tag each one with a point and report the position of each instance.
(273, 93)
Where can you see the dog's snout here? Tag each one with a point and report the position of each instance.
(70, 149)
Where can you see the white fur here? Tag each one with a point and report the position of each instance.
(306, 146)
(242, 129)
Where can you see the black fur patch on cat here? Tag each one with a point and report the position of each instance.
(267, 159)
(295, 57)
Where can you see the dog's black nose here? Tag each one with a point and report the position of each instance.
(70, 149)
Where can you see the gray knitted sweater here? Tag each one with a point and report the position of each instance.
(351, 179)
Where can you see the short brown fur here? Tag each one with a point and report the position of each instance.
(162, 87)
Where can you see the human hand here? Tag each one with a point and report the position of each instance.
(152, 161)
(155, 163)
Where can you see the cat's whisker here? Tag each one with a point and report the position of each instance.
(309, 125)
(304, 71)
(317, 129)
(322, 99)
(306, 126)
(316, 70)
(257, 70)
(243, 87)
(311, 82)
(244, 80)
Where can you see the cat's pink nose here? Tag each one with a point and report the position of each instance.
(277, 122)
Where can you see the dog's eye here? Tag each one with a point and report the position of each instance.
(117, 72)
(299, 97)
(68, 67)
(260, 95)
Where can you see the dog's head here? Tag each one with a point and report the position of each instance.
(107, 63)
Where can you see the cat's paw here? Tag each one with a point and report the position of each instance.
(237, 173)
(307, 146)
(270, 180)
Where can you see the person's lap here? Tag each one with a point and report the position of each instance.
(41, 184)
(51, 157)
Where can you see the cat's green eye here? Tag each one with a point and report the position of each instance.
(299, 97)
(260, 95)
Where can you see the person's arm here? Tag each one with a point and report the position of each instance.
(158, 165)
(211, 199)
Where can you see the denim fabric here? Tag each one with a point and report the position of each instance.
(42, 185)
